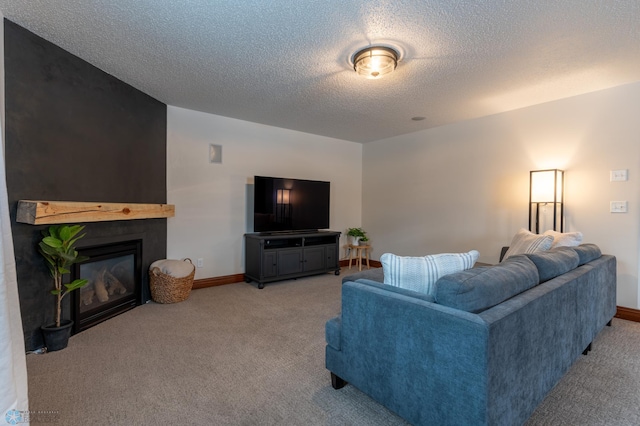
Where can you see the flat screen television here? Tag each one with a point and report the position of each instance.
(281, 204)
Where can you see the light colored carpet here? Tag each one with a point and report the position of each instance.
(236, 355)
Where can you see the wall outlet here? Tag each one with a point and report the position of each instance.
(618, 207)
(199, 262)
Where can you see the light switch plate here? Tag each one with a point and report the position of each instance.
(619, 175)
(618, 207)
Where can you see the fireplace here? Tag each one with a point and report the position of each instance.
(114, 274)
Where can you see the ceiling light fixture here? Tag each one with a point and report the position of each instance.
(375, 61)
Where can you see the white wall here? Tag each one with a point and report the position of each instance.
(212, 200)
(465, 186)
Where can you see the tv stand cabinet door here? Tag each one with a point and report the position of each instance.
(314, 259)
(332, 257)
(269, 264)
(289, 261)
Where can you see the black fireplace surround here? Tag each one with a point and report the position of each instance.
(76, 133)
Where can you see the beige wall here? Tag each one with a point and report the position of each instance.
(454, 188)
(212, 200)
(465, 186)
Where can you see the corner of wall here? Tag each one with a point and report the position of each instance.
(2, 77)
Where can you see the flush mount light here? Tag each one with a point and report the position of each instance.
(375, 61)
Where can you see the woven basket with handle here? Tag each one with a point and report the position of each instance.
(168, 289)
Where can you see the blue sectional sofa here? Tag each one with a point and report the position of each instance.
(485, 349)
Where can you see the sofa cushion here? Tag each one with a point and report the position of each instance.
(564, 239)
(478, 289)
(420, 273)
(528, 242)
(554, 262)
(587, 253)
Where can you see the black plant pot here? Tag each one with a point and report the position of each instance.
(56, 338)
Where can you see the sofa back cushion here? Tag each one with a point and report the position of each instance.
(420, 273)
(554, 262)
(587, 253)
(478, 289)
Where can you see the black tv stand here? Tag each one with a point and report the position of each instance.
(281, 256)
(275, 233)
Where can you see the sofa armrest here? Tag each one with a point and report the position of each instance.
(332, 330)
(399, 290)
(388, 337)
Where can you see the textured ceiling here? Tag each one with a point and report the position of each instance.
(286, 63)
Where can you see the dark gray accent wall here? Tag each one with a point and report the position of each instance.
(76, 133)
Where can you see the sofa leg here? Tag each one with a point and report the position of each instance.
(337, 382)
(587, 349)
(610, 322)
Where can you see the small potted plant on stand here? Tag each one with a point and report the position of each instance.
(357, 234)
(58, 248)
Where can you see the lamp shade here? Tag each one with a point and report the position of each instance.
(375, 62)
(546, 186)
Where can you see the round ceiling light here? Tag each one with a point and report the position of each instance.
(375, 61)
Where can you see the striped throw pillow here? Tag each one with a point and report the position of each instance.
(420, 273)
(525, 242)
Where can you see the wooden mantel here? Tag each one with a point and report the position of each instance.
(52, 212)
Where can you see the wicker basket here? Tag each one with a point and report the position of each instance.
(168, 289)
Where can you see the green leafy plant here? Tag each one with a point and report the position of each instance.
(357, 232)
(58, 249)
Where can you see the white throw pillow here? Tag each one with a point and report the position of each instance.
(566, 239)
(420, 273)
(175, 268)
(527, 242)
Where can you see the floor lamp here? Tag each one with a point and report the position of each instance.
(546, 189)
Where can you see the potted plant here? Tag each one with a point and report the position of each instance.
(357, 234)
(58, 249)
